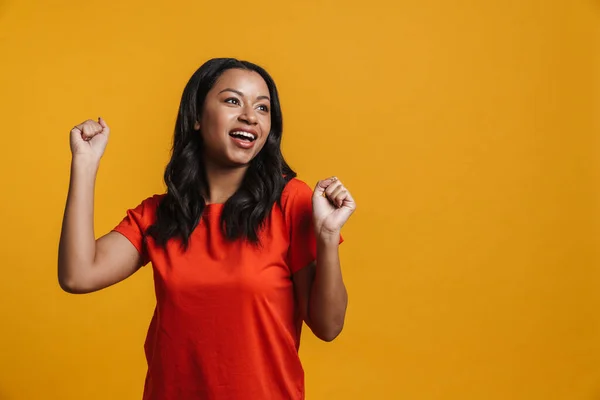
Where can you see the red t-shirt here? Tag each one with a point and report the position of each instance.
(226, 324)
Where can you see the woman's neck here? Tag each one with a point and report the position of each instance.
(223, 182)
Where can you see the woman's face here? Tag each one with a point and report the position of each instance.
(236, 118)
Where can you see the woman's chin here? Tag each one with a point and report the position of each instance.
(237, 162)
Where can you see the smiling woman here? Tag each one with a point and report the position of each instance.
(243, 113)
(243, 252)
(222, 97)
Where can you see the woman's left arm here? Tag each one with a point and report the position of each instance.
(319, 287)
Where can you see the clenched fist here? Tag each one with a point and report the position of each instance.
(332, 206)
(89, 139)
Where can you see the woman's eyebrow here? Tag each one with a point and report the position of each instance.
(242, 94)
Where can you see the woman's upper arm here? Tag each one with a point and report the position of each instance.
(116, 259)
(303, 280)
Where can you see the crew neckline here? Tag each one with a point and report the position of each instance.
(213, 207)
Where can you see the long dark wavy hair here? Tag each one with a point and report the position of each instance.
(244, 213)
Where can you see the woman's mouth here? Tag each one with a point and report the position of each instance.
(243, 139)
(243, 135)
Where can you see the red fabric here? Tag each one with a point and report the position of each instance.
(226, 324)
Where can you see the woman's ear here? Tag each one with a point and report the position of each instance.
(197, 126)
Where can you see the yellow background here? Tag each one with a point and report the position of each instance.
(466, 130)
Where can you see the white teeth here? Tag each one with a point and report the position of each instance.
(242, 133)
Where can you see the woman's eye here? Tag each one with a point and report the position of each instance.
(232, 100)
(263, 108)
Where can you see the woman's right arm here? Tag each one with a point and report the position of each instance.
(85, 264)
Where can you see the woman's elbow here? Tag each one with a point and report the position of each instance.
(70, 285)
(329, 333)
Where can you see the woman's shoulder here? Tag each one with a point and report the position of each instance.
(139, 217)
(296, 187)
(146, 208)
(296, 194)
(152, 201)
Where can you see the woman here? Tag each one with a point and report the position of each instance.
(242, 251)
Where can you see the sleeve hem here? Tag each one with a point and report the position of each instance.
(129, 235)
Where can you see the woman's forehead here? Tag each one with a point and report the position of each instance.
(247, 82)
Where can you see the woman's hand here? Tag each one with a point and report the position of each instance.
(89, 139)
(332, 206)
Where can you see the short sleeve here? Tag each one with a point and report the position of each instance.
(135, 223)
(298, 215)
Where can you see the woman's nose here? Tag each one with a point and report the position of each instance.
(248, 115)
